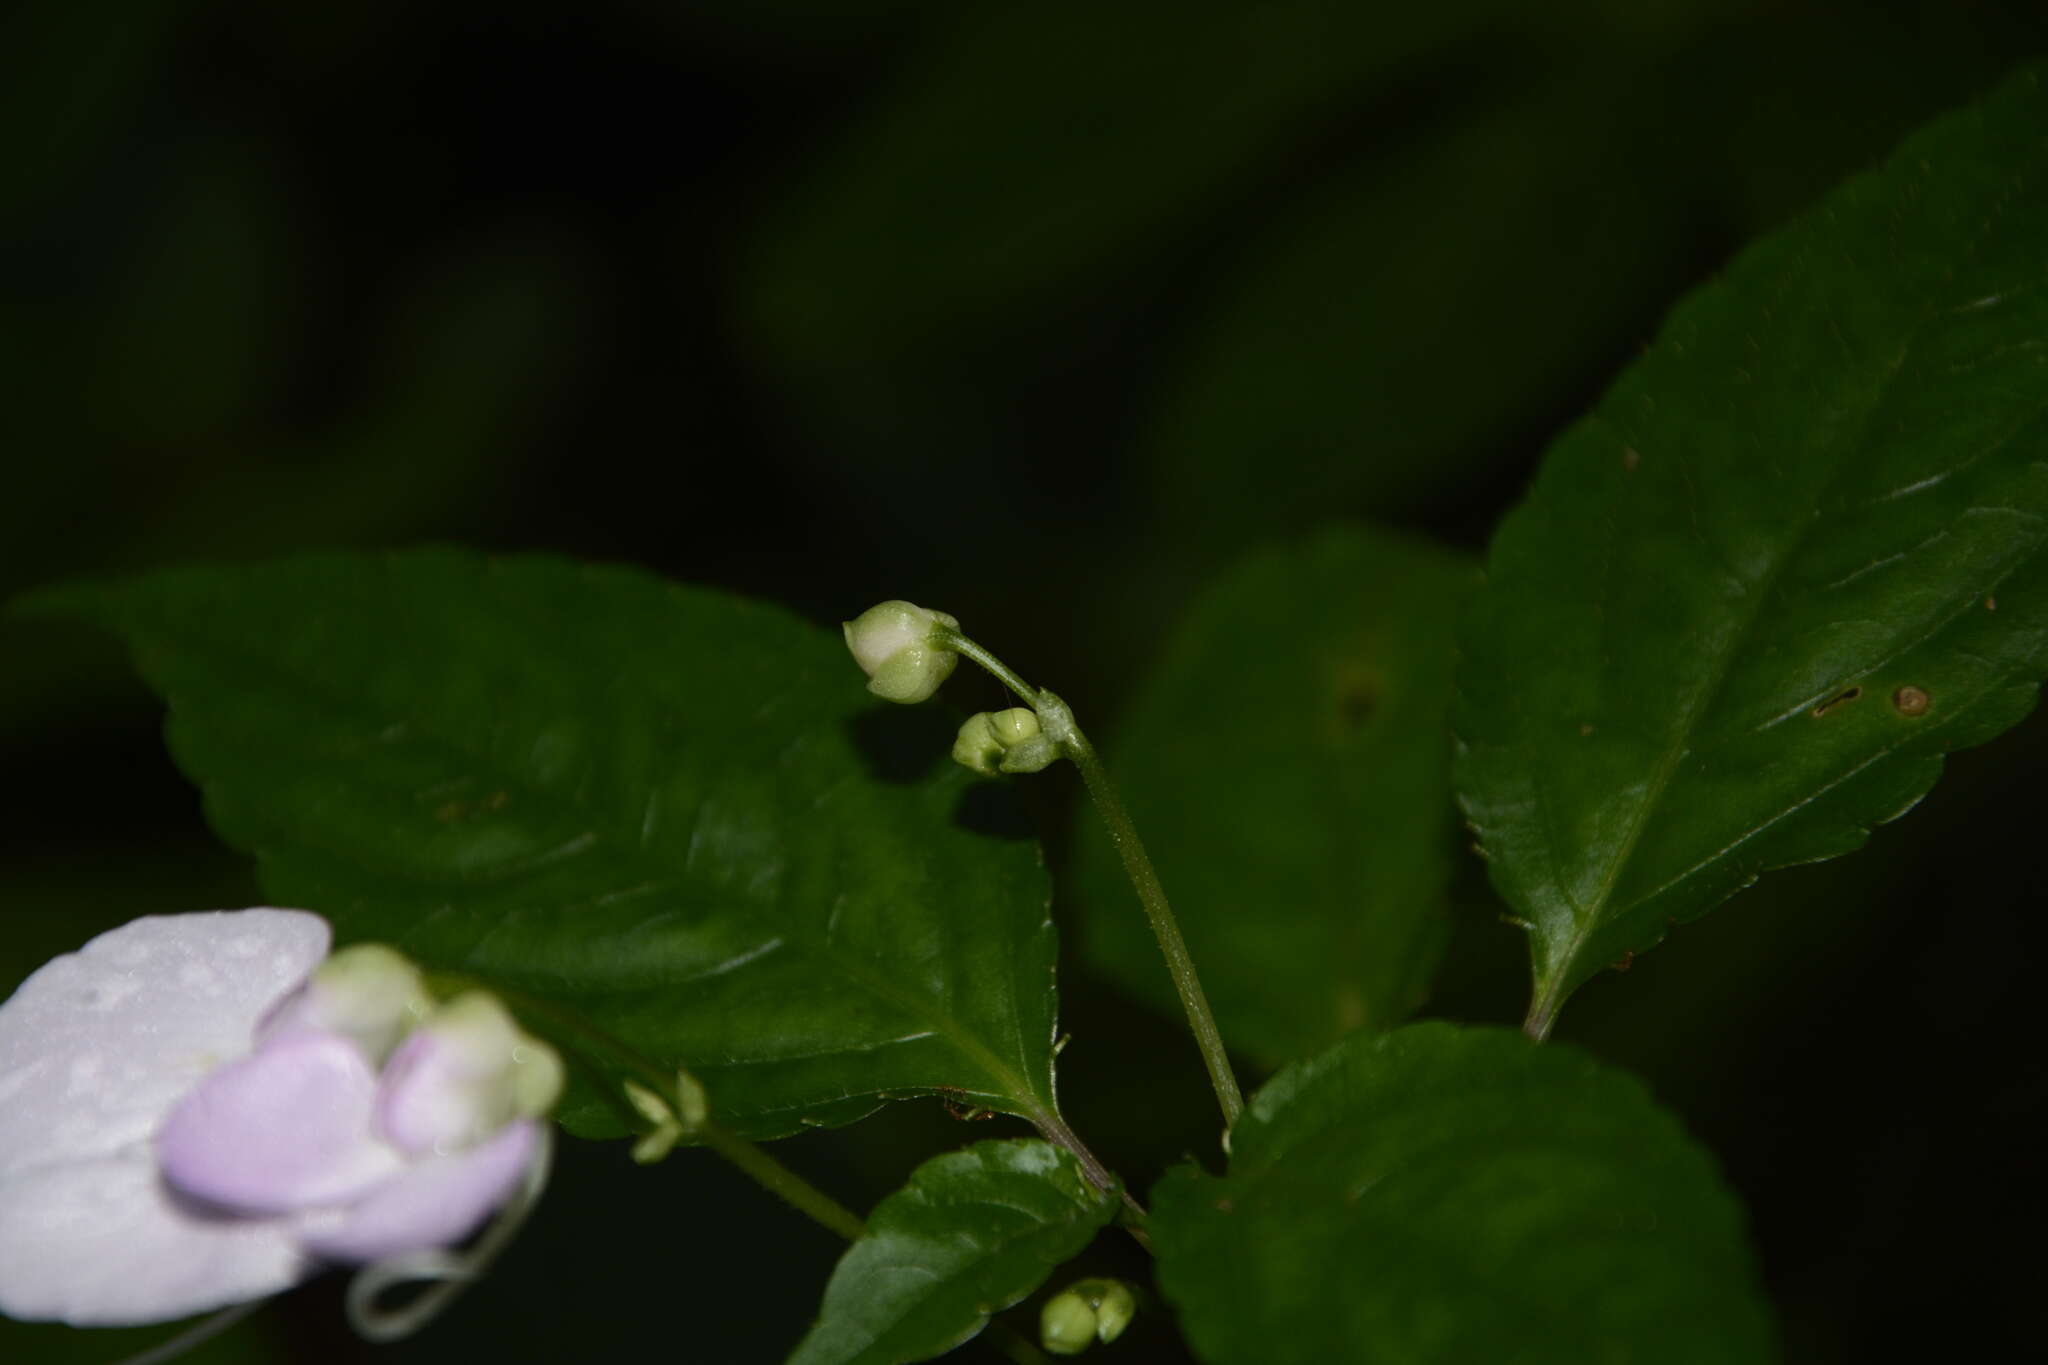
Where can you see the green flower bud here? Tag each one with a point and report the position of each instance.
(652, 1147)
(1066, 1325)
(1114, 1310)
(1087, 1310)
(672, 1123)
(1004, 741)
(977, 747)
(988, 739)
(693, 1106)
(892, 644)
(1014, 726)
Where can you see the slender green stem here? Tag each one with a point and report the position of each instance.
(1058, 722)
(1165, 927)
(960, 644)
(1543, 1008)
(776, 1178)
(1054, 1129)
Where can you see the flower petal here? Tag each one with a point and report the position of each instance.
(462, 1075)
(434, 1203)
(282, 1130)
(368, 993)
(98, 1044)
(103, 1243)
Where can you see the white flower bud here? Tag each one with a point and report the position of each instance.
(892, 644)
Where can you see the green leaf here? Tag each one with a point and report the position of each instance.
(668, 810)
(972, 1233)
(1793, 559)
(1288, 765)
(1438, 1194)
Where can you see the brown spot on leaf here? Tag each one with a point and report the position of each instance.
(1356, 705)
(1585, 728)
(1991, 604)
(1841, 698)
(1350, 1009)
(1354, 699)
(1911, 701)
(1630, 459)
(448, 812)
(1628, 960)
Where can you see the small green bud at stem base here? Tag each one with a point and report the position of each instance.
(1007, 741)
(977, 747)
(1114, 1310)
(1014, 726)
(1086, 1311)
(1066, 1325)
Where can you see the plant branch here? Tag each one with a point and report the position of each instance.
(1543, 1008)
(780, 1181)
(1054, 1129)
(1179, 964)
(1058, 721)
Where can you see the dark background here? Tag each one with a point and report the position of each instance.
(1038, 314)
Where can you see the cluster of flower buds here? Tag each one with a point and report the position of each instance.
(205, 1109)
(907, 651)
(1085, 1312)
(1004, 741)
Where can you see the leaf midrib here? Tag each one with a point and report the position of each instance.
(1667, 767)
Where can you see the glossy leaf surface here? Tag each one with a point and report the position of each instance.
(972, 1232)
(1438, 1195)
(1793, 558)
(1288, 765)
(673, 812)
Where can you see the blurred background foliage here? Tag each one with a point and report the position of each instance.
(1041, 314)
